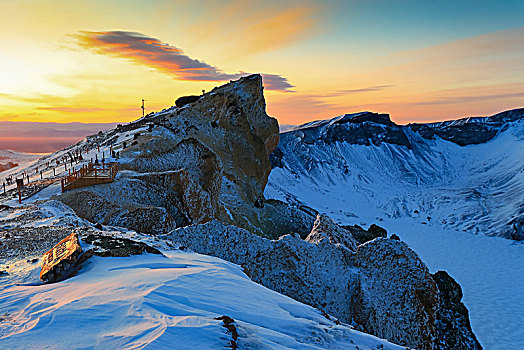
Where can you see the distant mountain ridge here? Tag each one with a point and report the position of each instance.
(465, 174)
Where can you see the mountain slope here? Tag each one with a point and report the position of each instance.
(403, 171)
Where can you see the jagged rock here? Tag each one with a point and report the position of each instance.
(184, 100)
(395, 237)
(244, 137)
(453, 329)
(362, 236)
(117, 246)
(397, 298)
(364, 128)
(468, 131)
(60, 261)
(326, 228)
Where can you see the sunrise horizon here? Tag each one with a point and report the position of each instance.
(416, 62)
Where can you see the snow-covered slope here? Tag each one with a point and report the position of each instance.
(164, 302)
(439, 197)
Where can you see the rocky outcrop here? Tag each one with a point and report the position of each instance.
(206, 159)
(364, 128)
(452, 321)
(381, 286)
(362, 236)
(468, 131)
(325, 228)
(395, 293)
(105, 245)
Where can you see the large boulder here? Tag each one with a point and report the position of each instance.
(60, 262)
(397, 298)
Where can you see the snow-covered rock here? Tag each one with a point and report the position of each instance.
(383, 288)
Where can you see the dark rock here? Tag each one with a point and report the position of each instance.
(362, 236)
(377, 231)
(184, 100)
(515, 228)
(468, 131)
(276, 158)
(116, 246)
(229, 325)
(361, 128)
(453, 329)
(395, 237)
(259, 203)
(3, 272)
(99, 226)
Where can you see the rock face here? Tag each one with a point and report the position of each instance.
(381, 286)
(468, 131)
(364, 128)
(203, 160)
(452, 327)
(395, 293)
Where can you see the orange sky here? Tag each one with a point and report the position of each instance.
(93, 61)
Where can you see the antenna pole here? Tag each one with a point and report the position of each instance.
(143, 108)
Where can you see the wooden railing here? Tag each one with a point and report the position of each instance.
(89, 174)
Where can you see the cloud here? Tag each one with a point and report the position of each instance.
(276, 82)
(164, 57)
(344, 92)
(256, 26)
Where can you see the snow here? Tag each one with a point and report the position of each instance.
(441, 199)
(164, 302)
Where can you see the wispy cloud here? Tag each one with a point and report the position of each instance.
(164, 57)
(344, 92)
(256, 26)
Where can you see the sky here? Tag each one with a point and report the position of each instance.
(94, 61)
